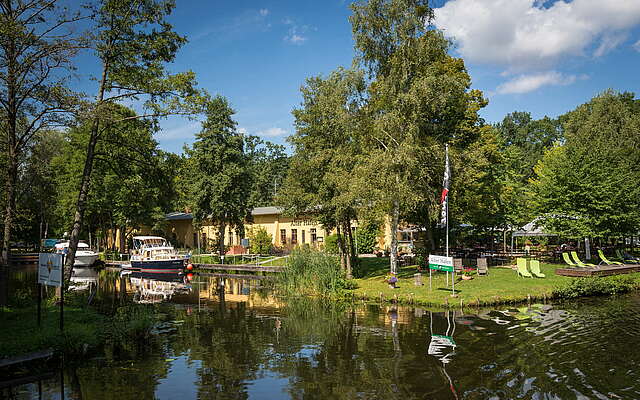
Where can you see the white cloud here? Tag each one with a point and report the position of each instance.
(295, 38)
(264, 12)
(525, 35)
(530, 82)
(182, 131)
(636, 45)
(296, 33)
(272, 132)
(242, 130)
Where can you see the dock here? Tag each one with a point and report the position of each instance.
(238, 267)
(23, 258)
(600, 270)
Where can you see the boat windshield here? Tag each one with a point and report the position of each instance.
(151, 242)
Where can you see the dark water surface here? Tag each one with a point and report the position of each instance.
(238, 342)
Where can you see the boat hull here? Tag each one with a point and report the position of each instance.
(159, 266)
(85, 260)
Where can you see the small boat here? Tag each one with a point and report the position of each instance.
(154, 254)
(85, 257)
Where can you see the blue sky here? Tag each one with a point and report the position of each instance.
(543, 57)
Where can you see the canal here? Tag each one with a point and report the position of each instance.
(230, 338)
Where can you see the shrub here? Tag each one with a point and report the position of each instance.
(367, 237)
(260, 241)
(331, 244)
(593, 286)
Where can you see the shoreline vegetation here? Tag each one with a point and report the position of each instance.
(321, 277)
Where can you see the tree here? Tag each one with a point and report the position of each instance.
(588, 186)
(260, 240)
(418, 100)
(218, 171)
(133, 43)
(37, 46)
(326, 146)
(268, 165)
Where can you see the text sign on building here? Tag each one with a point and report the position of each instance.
(441, 263)
(50, 269)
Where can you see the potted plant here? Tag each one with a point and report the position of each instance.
(391, 279)
(467, 274)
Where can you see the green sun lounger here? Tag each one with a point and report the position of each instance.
(522, 268)
(574, 255)
(605, 260)
(534, 266)
(626, 258)
(565, 257)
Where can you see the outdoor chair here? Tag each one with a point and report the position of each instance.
(565, 257)
(534, 266)
(605, 260)
(482, 266)
(628, 258)
(522, 268)
(457, 265)
(574, 255)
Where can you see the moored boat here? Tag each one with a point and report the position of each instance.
(85, 257)
(155, 254)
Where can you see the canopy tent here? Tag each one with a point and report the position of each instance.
(532, 229)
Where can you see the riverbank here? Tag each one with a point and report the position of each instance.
(501, 285)
(84, 329)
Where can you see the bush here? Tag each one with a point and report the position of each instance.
(311, 272)
(367, 237)
(260, 241)
(331, 244)
(593, 286)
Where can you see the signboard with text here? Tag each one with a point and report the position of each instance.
(440, 263)
(50, 269)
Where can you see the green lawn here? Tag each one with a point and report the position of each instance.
(500, 285)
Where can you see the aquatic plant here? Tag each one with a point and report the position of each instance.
(311, 272)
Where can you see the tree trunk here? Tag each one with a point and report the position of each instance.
(395, 215)
(123, 234)
(343, 264)
(221, 239)
(86, 178)
(352, 253)
(9, 206)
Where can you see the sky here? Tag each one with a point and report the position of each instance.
(545, 57)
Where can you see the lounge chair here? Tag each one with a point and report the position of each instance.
(565, 257)
(627, 258)
(457, 265)
(482, 266)
(534, 265)
(522, 268)
(575, 257)
(605, 260)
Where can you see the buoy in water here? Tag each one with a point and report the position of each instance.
(189, 266)
(189, 276)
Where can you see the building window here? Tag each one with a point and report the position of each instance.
(314, 236)
(283, 236)
(294, 236)
(303, 232)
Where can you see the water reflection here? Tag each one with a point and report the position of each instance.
(231, 338)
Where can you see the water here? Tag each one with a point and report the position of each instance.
(245, 344)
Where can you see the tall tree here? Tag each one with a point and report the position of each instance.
(218, 171)
(37, 47)
(588, 186)
(326, 149)
(268, 164)
(418, 100)
(133, 42)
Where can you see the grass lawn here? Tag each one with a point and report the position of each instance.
(20, 333)
(499, 286)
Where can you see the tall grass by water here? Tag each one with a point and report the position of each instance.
(310, 273)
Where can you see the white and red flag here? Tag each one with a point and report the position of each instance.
(444, 197)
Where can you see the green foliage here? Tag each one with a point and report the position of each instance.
(367, 237)
(268, 167)
(331, 244)
(588, 185)
(596, 286)
(310, 273)
(217, 168)
(260, 240)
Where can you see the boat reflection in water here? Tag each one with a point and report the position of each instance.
(157, 287)
(83, 278)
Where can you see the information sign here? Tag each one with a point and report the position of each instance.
(441, 263)
(50, 269)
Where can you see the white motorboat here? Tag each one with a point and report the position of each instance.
(155, 254)
(85, 257)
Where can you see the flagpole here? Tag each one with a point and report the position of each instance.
(447, 204)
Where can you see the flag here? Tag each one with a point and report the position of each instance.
(444, 197)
